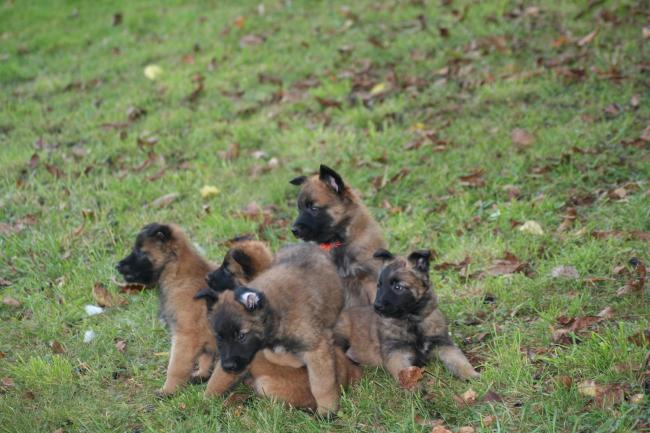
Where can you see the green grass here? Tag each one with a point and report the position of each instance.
(65, 71)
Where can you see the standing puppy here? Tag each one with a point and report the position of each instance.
(404, 327)
(332, 215)
(292, 308)
(162, 254)
(278, 375)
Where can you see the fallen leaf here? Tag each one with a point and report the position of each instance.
(8, 300)
(562, 334)
(532, 227)
(120, 345)
(153, 72)
(7, 382)
(165, 200)
(509, 265)
(488, 420)
(565, 381)
(240, 22)
(466, 429)
(409, 377)
(569, 219)
(326, 102)
(4, 282)
(607, 313)
(491, 396)
(641, 338)
(440, 429)
(57, 347)
(603, 396)
(474, 179)
(587, 38)
(522, 138)
(250, 40)
(638, 284)
(117, 19)
(131, 288)
(209, 191)
(569, 272)
(231, 153)
(103, 297)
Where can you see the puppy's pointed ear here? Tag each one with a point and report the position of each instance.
(245, 262)
(161, 232)
(384, 255)
(332, 179)
(298, 180)
(251, 299)
(209, 295)
(420, 260)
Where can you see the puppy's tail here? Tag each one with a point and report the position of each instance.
(456, 362)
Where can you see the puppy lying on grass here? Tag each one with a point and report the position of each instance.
(404, 328)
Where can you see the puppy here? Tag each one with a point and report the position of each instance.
(291, 308)
(163, 255)
(277, 375)
(404, 327)
(332, 215)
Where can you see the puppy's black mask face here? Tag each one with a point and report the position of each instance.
(237, 346)
(314, 223)
(148, 257)
(137, 268)
(403, 287)
(394, 296)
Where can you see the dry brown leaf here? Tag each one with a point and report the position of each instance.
(57, 347)
(488, 420)
(231, 153)
(131, 288)
(165, 200)
(509, 265)
(250, 40)
(104, 298)
(8, 300)
(568, 219)
(4, 282)
(564, 381)
(522, 138)
(603, 396)
(466, 429)
(409, 377)
(587, 38)
(120, 345)
(607, 313)
(562, 334)
(7, 382)
(473, 179)
(638, 284)
(640, 338)
(568, 272)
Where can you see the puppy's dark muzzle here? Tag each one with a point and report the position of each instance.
(298, 230)
(233, 365)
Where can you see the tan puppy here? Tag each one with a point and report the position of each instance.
(163, 255)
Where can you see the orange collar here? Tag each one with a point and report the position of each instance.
(329, 246)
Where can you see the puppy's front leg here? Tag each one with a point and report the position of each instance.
(456, 362)
(220, 381)
(181, 361)
(206, 361)
(396, 361)
(321, 368)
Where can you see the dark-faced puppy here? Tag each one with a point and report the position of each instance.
(404, 327)
(274, 374)
(332, 215)
(291, 308)
(163, 255)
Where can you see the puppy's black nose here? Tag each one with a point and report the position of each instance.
(379, 306)
(295, 230)
(122, 267)
(229, 365)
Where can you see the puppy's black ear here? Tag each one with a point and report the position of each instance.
(210, 296)
(251, 299)
(159, 231)
(382, 254)
(245, 262)
(420, 260)
(298, 180)
(332, 179)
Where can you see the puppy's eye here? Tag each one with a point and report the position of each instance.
(242, 336)
(313, 208)
(399, 287)
(219, 337)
